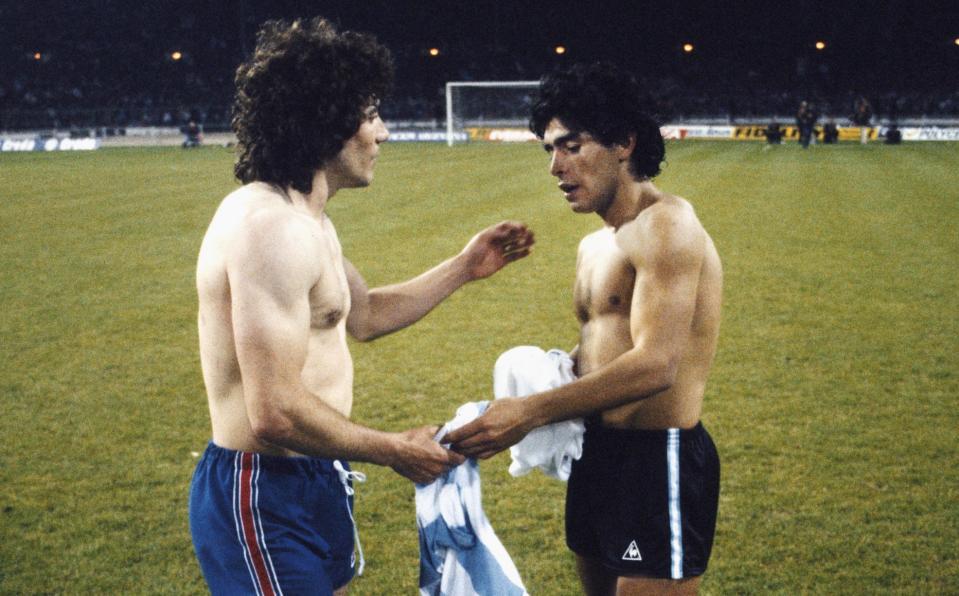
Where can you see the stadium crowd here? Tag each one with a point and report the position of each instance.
(158, 67)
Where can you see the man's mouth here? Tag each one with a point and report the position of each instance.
(567, 188)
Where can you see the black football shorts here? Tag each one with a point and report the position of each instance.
(644, 503)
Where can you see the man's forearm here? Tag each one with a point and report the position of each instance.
(630, 377)
(306, 424)
(311, 427)
(399, 305)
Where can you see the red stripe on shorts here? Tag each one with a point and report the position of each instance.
(249, 527)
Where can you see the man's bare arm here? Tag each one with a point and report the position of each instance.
(386, 309)
(270, 278)
(668, 257)
(574, 356)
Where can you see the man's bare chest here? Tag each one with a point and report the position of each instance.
(604, 280)
(330, 294)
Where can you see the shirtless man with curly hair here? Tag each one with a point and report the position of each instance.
(271, 498)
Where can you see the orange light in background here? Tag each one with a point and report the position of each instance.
(434, 52)
(956, 41)
(37, 56)
(820, 45)
(176, 55)
(688, 48)
(560, 50)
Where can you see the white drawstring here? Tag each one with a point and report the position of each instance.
(345, 478)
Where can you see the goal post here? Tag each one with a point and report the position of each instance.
(487, 104)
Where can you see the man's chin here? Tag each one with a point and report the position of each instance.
(578, 208)
(362, 182)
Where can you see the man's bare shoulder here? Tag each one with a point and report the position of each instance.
(261, 213)
(669, 227)
(258, 227)
(596, 238)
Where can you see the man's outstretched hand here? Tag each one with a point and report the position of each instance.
(504, 423)
(495, 247)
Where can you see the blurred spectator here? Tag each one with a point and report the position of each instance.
(893, 135)
(862, 117)
(774, 134)
(193, 134)
(806, 119)
(830, 133)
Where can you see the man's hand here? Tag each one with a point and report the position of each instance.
(420, 458)
(504, 423)
(491, 250)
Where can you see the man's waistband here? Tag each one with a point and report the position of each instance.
(273, 463)
(597, 430)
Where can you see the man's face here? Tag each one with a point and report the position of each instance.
(589, 173)
(353, 165)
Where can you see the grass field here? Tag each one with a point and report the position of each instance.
(833, 400)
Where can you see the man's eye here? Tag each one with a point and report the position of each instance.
(572, 148)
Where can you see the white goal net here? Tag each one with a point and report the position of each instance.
(487, 104)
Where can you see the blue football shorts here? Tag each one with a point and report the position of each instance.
(269, 525)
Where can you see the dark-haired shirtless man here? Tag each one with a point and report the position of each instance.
(642, 501)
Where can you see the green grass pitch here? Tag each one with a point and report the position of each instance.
(833, 399)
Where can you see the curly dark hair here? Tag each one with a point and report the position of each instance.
(301, 96)
(605, 101)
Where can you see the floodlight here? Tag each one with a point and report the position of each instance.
(820, 45)
(688, 48)
(560, 50)
(176, 55)
(434, 52)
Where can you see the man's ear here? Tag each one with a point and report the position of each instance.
(626, 150)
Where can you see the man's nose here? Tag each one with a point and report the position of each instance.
(382, 134)
(555, 164)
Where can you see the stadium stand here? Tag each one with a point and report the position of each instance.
(115, 68)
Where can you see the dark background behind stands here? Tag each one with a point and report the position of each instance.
(108, 63)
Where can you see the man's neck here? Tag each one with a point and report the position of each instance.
(314, 203)
(630, 200)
